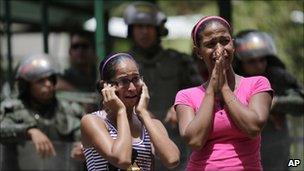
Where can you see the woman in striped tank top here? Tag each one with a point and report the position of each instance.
(123, 135)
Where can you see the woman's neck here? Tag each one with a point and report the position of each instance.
(134, 123)
(112, 116)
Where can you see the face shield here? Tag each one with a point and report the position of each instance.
(254, 44)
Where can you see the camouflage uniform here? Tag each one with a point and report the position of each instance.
(60, 122)
(276, 142)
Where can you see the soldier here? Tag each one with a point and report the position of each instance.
(77, 83)
(165, 71)
(38, 120)
(82, 64)
(256, 55)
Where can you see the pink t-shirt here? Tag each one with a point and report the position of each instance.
(227, 147)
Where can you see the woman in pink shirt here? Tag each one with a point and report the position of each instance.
(222, 119)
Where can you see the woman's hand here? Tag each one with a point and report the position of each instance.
(214, 79)
(223, 82)
(110, 100)
(218, 78)
(144, 100)
(44, 146)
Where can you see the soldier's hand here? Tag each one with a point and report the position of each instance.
(171, 118)
(274, 101)
(44, 146)
(77, 153)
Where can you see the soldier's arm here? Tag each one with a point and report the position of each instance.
(69, 119)
(189, 72)
(13, 128)
(291, 101)
(78, 112)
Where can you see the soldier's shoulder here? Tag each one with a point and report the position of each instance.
(277, 70)
(280, 73)
(11, 105)
(175, 53)
(74, 102)
(78, 97)
(66, 103)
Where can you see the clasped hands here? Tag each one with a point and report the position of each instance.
(218, 80)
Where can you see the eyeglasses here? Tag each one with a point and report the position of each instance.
(80, 46)
(125, 82)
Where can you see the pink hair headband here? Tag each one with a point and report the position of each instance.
(201, 22)
(110, 58)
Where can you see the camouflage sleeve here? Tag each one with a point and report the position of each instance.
(289, 96)
(77, 135)
(78, 112)
(13, 128)
(292, 103)
(69, 122)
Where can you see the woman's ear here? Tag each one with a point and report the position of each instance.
(197, 52)
(99, 85)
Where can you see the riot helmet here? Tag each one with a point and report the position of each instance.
(35, 67)
(145, 13)
(253, 43)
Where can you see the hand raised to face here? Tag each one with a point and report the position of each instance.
(144, 99)
(218, 76)
(111, 102)
(223, 72)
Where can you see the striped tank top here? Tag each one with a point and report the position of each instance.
(142, 156)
